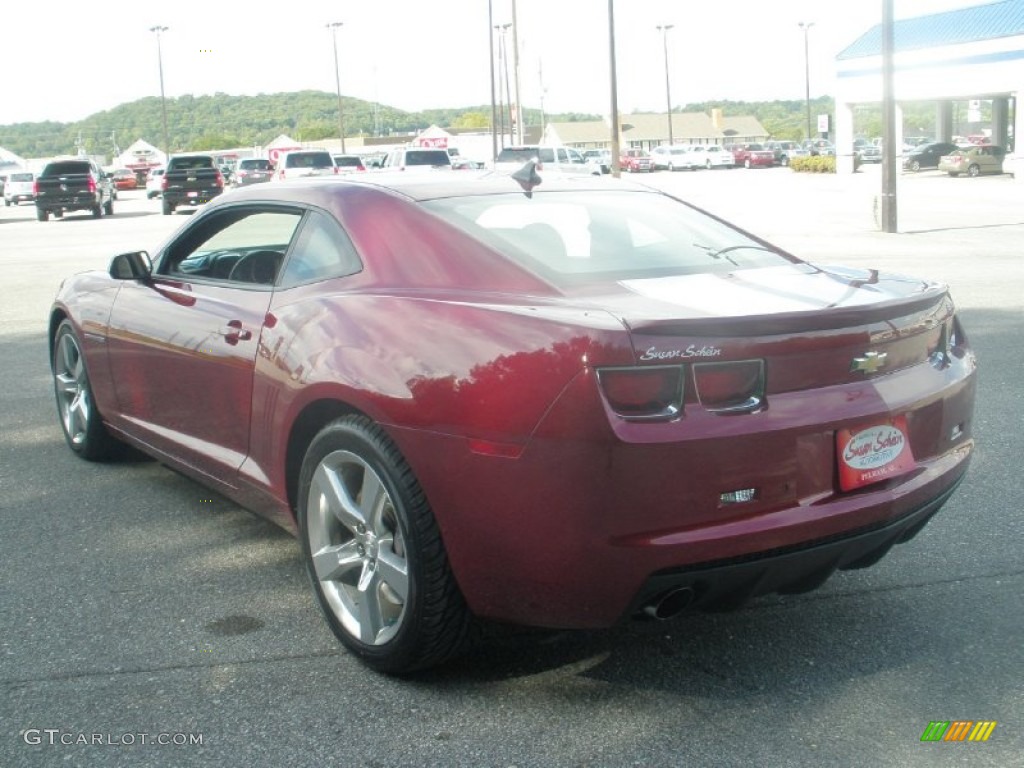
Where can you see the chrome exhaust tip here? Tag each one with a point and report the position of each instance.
(669, 604)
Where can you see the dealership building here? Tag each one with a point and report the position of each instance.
(971, 54)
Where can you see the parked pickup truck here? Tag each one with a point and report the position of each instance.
(76, 184)
(190, 180)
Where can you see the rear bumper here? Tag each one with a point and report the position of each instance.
(728, 584)
(182, 197)
(83, 202)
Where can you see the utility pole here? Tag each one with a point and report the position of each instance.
(616, 169)
(163, 101)
(333, 26)
(494, 102)
(515, 74)
(806, 26)
(664, 28)
(889, 218)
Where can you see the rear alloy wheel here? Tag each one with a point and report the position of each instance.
(81, 422)
(915, 166)
(374, 552)
(973, 170)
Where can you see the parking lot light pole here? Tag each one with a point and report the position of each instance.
(614, 86)
(664, 28)
(806, 26)
(333, 26)
(163, 102)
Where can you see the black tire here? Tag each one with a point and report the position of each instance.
(97, 211)
(108, 209)
(79, 418)
(42, 214)
(7, 203)
(954, 174)
(167, 208)
(973, 170)
(416, 618)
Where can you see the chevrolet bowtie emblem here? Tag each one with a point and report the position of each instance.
(870, 363)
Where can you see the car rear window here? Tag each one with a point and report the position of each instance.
(308, 160)
(427, 157)
(251, 165)
(20, 177)
(574, 238)
(66, 168)
(190, 163)
(524, 154)
(347, 162)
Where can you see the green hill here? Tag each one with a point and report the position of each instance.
(222, 120)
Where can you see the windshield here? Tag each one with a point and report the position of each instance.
(574, 237)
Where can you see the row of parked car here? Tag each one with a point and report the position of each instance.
(677, 157)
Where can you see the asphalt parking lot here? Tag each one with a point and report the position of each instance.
(138, 604)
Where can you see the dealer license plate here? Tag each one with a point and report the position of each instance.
(870, 454)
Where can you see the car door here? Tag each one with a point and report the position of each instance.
(182, 345)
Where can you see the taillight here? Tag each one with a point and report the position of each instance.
(649, 393)
(736, 387)
(92, 185)
(35, 188)
(163, 182)
(220, 179)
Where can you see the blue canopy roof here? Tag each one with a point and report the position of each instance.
(966, 25)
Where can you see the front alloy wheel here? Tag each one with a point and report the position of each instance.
(81, 422)
(374, 553)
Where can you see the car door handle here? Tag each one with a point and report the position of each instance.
(234, 333)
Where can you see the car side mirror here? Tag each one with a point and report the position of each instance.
(131, 266)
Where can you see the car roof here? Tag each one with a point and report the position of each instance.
(420, 187)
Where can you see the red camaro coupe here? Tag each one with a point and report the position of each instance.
(555, 406)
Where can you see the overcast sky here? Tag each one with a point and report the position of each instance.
(64, 59)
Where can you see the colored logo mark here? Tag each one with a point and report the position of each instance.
(958, 730)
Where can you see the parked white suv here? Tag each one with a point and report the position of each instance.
(564, 160)
(418, 158)
(18, 187)
(300, 163)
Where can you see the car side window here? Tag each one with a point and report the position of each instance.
(239, 245)
(322, 250)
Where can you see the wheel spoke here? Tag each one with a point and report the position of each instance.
(371, 620)
(328, 484)
(67, 353)
(369, 497)
(394, 571)
(66, 385)
(78, 415)
(332, 563)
